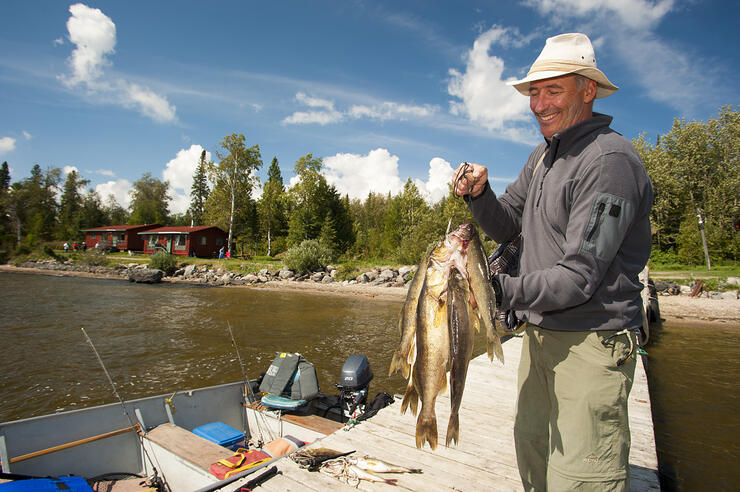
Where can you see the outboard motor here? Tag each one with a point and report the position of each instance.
(355, 383)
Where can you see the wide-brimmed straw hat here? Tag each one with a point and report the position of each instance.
(562, 55)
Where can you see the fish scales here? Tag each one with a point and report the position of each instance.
(480, 286)
(461, 322)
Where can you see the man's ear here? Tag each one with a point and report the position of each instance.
(589, 94)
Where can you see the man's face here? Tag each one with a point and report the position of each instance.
(558, 104)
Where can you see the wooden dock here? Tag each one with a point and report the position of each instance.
(485, 457)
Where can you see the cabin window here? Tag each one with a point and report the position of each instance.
(122, 236)
(180, 241)
(219, 241)
(203, 240)
(152, 240)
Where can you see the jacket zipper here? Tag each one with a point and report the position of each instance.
(599, 211)
(539, 190)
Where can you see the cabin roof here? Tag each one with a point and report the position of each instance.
(180, 230)
(118, 228)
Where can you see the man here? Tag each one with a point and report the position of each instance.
(582, 204)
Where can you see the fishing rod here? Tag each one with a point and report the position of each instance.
(156, 479)
(249, 393)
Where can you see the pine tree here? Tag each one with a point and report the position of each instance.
(199, 191)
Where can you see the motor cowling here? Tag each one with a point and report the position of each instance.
(355, 383)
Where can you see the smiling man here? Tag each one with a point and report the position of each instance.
(582, 205)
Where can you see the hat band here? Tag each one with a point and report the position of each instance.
(558, 66)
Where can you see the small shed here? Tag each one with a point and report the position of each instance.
(117, 237)
(203, 241)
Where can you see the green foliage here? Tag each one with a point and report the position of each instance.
(309, 256)
(347, 271)
(149, 200)
(92, 258)
(164, 261)
(199, 191)
(229, 205)
(48, 251)
(694, 170)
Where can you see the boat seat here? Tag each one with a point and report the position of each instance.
(281, 403)
(188, 446)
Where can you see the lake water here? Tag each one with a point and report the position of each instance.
(156, 339)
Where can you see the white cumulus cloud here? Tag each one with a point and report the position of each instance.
(483, 94)
(377, 171)
(119, 188)
(640, 14)
(179, 173)
(27, 135)
(7, 144)
(357, 175)
(440, 177)
(94, 35)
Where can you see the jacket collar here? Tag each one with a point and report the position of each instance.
(563, 141)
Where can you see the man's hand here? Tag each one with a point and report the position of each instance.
(470, 179)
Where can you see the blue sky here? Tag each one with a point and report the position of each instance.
(383, 91)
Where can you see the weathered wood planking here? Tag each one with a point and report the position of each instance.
(484, 459)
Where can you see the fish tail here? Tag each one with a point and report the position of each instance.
(399, 363)
(453, 429)
(493, 347)
(410, 398)
(426, 430)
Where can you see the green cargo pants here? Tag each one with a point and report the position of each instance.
(572, 429)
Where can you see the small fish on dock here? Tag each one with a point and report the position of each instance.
(379, 466)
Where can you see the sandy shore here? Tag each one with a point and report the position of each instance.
(683, 308)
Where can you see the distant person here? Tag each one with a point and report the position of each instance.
(582, 206)
(97, 245)
(74, 246)
(66, 247)
(84, 246)
(221, 253)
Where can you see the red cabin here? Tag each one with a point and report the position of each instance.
(117, 237)
(203, 241)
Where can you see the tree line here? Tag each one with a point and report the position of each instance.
(694, 169)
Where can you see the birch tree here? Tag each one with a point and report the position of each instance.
(234, 176)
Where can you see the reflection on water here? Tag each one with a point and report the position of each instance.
(156, 339)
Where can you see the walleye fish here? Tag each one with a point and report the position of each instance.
(480, 286)
(461, 321)
(379, 466)
(403, 358)
(437, 323)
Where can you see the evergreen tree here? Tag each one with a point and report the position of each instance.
(271, 205)
(70, 207)
(199, 191)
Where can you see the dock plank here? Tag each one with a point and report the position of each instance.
(484, 459)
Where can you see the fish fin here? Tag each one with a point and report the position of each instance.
(493, 347)
(453, 429)
(426, 430)
(400, 363)
(410, 398)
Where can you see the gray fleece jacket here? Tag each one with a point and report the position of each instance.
(584, 214)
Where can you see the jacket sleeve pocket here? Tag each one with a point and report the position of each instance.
(609, 220)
